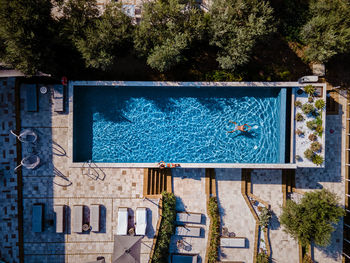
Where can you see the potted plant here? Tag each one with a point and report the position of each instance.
(310, 90)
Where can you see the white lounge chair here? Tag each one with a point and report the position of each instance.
(26, 135)
(29, 162)
(141, 221)
(37, 218)
(59, 220)
(122, 227)
(78, 218)
(238, 242)
(185, 217)
(95, 218)
(188, 231)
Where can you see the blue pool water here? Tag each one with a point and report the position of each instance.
(178, 124)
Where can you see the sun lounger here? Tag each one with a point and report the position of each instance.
(141, 221)
(188, 231)
(95, 218)
(185, 217)
(31, 98)
(37, 218)
(183, 258)
(58, 98)
(122, 227)
(78, 218)
(59, 219)
(238, 242)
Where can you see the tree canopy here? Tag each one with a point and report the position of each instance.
(236, 26)
(107, 37)
(25, 34)
(327, 33)
(313, 218)
(167, 30)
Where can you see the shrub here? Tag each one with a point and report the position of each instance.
(309, 154)
(299, 117)
(319, 104)
(310, 99)
(308, 108)
(316, 146)
(312, 137)
(298, 103)
(167, 228)
(319, 130)
(262, 258)
(309, 89)
(264, 217)
(299, 132)
(311, 125)
(317, 159)
(307, 259)
(214, 230)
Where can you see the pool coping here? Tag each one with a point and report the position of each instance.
(71, 84)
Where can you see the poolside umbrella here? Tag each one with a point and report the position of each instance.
(126, 249)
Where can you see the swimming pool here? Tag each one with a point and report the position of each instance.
(179, 124)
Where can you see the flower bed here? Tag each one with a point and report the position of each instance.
(167, 228)
(309, 128)
(214, 230)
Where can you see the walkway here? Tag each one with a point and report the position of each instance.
(8, 179)
(235, 214)
(266, 184)
(189, 188)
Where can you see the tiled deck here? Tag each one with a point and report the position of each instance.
(55, 183)
(189, 187)
(9, 249)
(235, 214)
(266, 184)
(331, 177)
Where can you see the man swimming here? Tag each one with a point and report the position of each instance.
(240, 127)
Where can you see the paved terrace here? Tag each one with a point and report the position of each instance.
(55, 183)
(9, 250)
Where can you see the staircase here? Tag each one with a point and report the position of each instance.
(155, 181)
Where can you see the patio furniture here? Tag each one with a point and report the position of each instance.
(29, 162)
(31, 97)
(86, 227)
(122, 227)
(26, 135)
(78, 218)
(185, 217)
(127, 249)
(58, 98)
(141, 221)
(184, 258)
(237, 242)
(189, 231)
(59, 219)
(95, 218)
(37, 218)
(308, 79)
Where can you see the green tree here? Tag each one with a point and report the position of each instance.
(168, 29)
(327, 33)
(313, 219)
(236, 26)
(25, 34)
(106, 38)
(77, 16)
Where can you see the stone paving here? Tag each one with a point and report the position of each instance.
(266, 184)
(235, 214)
(331, 177)
(54, 182)
(9, 250)
(189, 187)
